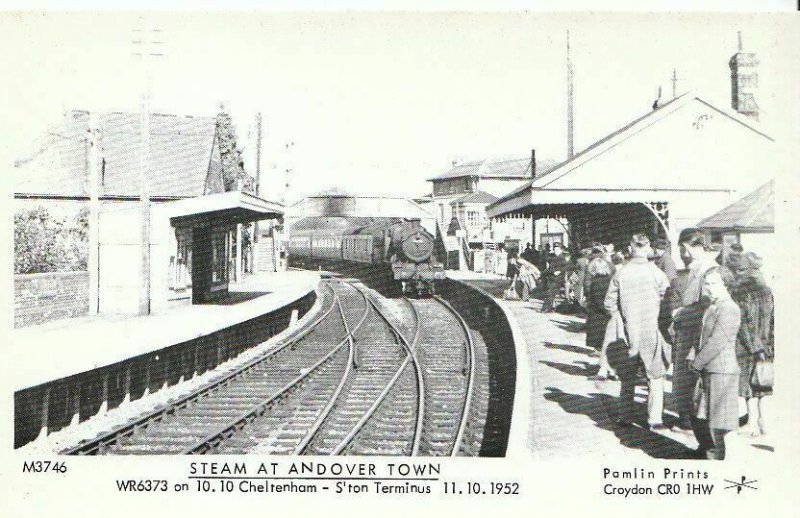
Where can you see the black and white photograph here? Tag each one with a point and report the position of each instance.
(537, 237)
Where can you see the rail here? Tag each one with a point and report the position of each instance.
(301, 447)
(97, 444)
(410, 357)
(214, 439)
(469, 351)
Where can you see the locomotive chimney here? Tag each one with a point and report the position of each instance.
(533, 163)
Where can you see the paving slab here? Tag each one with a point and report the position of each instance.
(58, 349)
(560, 413)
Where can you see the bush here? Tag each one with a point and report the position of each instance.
(43, 243)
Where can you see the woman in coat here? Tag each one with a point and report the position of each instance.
(754, 340)
(715, 360)
(597, 318)
(528, 275)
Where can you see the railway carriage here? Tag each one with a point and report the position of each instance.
(402, 246)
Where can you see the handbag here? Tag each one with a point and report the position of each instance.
(511, 292)
(699, 400)
(763, 375)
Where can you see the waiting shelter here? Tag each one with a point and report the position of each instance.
(190, 249)
(660, 174)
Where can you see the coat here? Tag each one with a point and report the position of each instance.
(666, 264)
(716, 352)
(596, 318)
(755, 301)
(635, 292)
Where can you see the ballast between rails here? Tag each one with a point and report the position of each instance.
(470, 354)
(410, 357)
(96, 445)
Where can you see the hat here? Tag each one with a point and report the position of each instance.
(640, 241)
(749, 261)
(557, 245)
(736, 247)
(661, 244)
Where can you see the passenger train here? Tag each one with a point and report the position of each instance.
(402, 245)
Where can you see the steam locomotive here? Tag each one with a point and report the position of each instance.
(402, 245)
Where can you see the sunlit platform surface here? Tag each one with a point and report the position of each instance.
(62, 348)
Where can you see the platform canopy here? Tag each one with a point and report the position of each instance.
(687, 153)
(753, 213)
(229, 207)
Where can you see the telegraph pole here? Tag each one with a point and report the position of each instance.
(570, 107)
(93, 166)
(147, 46)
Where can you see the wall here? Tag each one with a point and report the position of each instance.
(42, 297)
(55, 404)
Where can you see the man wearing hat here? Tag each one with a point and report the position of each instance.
(635, 292)
(664, 261)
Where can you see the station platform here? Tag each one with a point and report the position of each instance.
(67, 347)
(559, 413)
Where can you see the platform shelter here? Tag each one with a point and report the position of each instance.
(191, 249)
(659, 174)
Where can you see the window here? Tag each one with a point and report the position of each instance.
(473, 218)
(219, 259)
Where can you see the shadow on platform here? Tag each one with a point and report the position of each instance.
(571, 369)
(569, 326)
(236, 297)
(570, 348)
(600, 408)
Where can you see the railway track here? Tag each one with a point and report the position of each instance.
(356, 381)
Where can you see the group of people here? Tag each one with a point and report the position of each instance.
(713, 322)
(548, 268)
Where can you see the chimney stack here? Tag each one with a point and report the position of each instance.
(744, 81)
(533, 163)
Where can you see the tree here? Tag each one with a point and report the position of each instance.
(232, 164)
(35, 241)
(43, 243)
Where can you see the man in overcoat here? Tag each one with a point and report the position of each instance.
(688, 306)
(716, 362)
(635, 292)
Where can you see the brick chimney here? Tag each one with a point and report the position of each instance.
(744, 81)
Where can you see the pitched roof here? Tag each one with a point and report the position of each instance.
(511, 168)
(755, 212)
(617, 137)
(181, 156)
(475, 197)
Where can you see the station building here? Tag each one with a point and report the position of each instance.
(460, 197)
(663, 172)
(659, 174)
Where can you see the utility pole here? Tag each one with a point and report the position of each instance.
(147, 46)
(258, 170)
(570, 107)
(675, 80)
(93, 166)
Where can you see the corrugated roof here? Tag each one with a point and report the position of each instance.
(475, 197)
(513, 168)
(180, 156)
(755, 213)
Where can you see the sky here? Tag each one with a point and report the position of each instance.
(377, 103)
